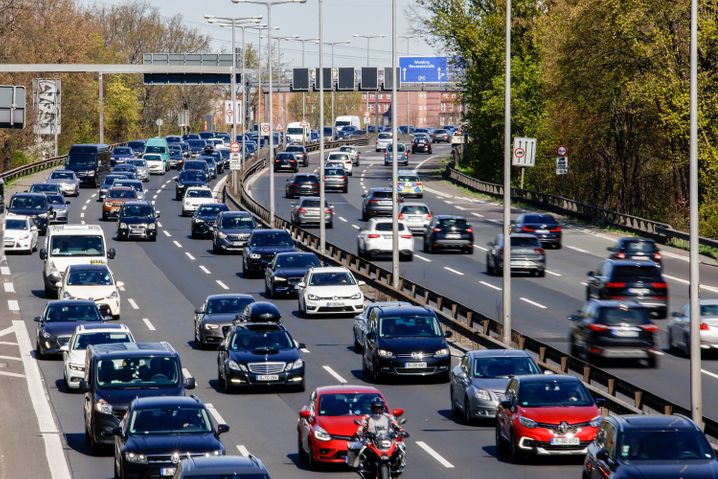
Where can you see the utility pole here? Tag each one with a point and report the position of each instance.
(506, 292)
(394, 158)
(101, 107)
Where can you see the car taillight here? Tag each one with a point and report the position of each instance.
(302, 210)
(659, 285)
(437, 230)
(501, 251)
(386, 153)
(277, 161)
(344, 177)
(469, 229)
(406, 236)
(539, 250)
(620, 255)
(372, 235)
(657, 256)
(651, 328)
(528, 229)
(328, 210)
(555, 230)
(599, 328)
(705, 327)
(615, 285)
(428, 216)
(401, 216)
(373, 201)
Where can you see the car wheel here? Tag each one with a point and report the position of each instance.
(572, 349)
(302, 312)
(652, 361)
(311, 463)
(226, 384)
(454, 409)
(430, 248)
(357, 344)
(671, 346)
(467, 411)
(364, 216)
(425, 246)
(104, 216)
(215, 248)
(541, 273)
(268, 291)
(48, 292)
(38, 351)
(365, 370)
(245, 271)
(499, 440)
(345, 190)
(515, 454)
(300, 450)
(330, 225)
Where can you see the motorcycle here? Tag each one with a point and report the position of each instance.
(379, 456)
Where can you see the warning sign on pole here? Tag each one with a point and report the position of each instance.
(524, 152)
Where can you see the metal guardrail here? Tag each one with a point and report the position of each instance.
(660, 232)
(472, 327)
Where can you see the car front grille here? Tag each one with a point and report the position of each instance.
(266, 368)
(167, 458)
(335, 309)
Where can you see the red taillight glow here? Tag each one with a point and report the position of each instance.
(302, 210)
(406, 236)
(651, 328)
(372, 235)
(528, 229)
(705, 327)
(659, 285)
(469, 229)
(555, 230)
(428, 216)
(599, 328)
(657, 256)
(437, 230)
(620, 255)
(401, 216)
(328, 210)
(539, 250)
(615, 285)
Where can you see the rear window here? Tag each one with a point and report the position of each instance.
(613, 316)
(333, 172)
(414, 210)
(311, 203)
(384, 136)
(409, 178)
(306, 178)
(524, 241)
(543, 219)
(387, 226)
(457, 222)
(640, 247)
(382, 194)
(632, 274)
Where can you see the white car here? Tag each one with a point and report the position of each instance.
(376, 239)
(194, 197)
(679, 328)
(341, 157)
(21, 234)
(353, 152)
(330, 290)
(417, 216)
(93, 282)
(155, 163)
(382, 141)
(73, 353)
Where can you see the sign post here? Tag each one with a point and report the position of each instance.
(231, 115)
(235, 162)
(524, 154)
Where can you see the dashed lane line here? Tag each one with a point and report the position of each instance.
(82, 215)
(84, 207)
(13, 305)
(4, 270)
(222, 285)
(533, 303)
(9, 287)
(481, 247)
(215, 414)
(149, 324)
(453, 271)
(177, 243)
(553, 273)
(713, 375)
(132, 303)
(418, 256)
(356, 227)
(343, 219)
(87, 202)
(461, 208)
(187, 253)
(205, 269)
(167, 233)
(242, 450)
(580, 250)
(434, 454)
(334, 374)
(489, 285)
(478, 215)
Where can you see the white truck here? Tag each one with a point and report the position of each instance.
(296, 133)
(347, 120)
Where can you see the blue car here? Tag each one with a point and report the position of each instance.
(120, 154)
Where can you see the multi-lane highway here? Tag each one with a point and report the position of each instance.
(166, 280)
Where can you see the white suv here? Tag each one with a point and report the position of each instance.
(194, 197)
(73, 353)
(342, 157)
(382, 141)
(376, 239)
(93, 282)
(330, 290)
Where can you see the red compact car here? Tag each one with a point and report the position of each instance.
(546, 415)
(327, 422)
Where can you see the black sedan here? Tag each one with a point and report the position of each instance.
(259, 355)
(302, 184)
(213, 320)
(286, 162)
(189, 178)
(232, 230)
(286, 271)
(421, 142)
(449, 232)
(154, 430)
(544, 227)
(261, 247)
(204, 219)
(58, 323)
(636, 249)
(235, 467)
(34, 205)
(137, 219)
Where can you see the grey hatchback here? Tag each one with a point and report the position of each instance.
(526, 255)
(306, 210)
(377, 202)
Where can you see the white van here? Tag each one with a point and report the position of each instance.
(71, 244)
(297, 133)
(346, 120)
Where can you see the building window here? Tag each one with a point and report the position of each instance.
(443, 108)
(453, 96)
(371, 108)
(388, 96)
(386, 107)
(381, 96)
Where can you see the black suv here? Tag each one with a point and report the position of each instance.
(115, 374)
(232, 230)
(636, 249)
(250, 467)
(651, 445)
(259, 354)
(58, 323)
(544, 227)
(286, 270)
(449, 232)
(641, 281)
(157, 432)
(613, 329)
(213, 320)
(405, 341)
(302, 184)
(421, 142)
(137, 219)
(205, 218)
(189, 178)
(34, 205)
(378, 202)
(261, 247)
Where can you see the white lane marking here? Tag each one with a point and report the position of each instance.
(304, 350)
(88, 201)
(40, 403)
(668, 254)
(155, 197)
(453, 271)
(215, 414)
(12, 375)
(713, 375)
(84, 207)
(177, 243)
(132, 303)
(11, 358)
(82, 222)
(481, 247)
(418, 256)
(121, 288)
(478, 215)
(8, 343)
(168, 182)
(149, 325)
(448, 202)
(434, 454)
(533, 303)
(222, 285)
(154, 202)
(189, 255)
(461, 208)
(243, 450)
(159, 225)
(9, 287)
(343, 219)
(498, 222)
(6, 331)
(489, 285)
(82, 215)
(335, 374)
(684, 281)
(577, 249)
(186, 373)
(4, 270)
(13, 305)
(552, 273)
(583, 283)
(167, 233)
(93, 195)
(709, 288)
(356, 227)
(205, 269)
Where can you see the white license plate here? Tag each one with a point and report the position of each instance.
(335, 305)
(565, 441)
(414, 365)
(543, 232)
(386, 236)
(625, 333)
(167, 471)
(640, 258)
(267, 377)
(453, 236)
(640, 291)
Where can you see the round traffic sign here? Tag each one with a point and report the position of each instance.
(265, 128)
(562, 150)
(229, 112)
(519, 152)
(234, 147)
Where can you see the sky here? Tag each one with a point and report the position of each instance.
(342, 18)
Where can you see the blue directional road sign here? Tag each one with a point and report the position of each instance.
(423, 69)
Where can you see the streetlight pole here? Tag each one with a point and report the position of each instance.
(506, 291)
(260, 29)
(394, 159)
(408, 94)
(368, 39)
(322, 192)
(269, 4)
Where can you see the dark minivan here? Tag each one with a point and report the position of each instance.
(91, 163)
(115, 374)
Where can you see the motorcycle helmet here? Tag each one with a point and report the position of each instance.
(377, 406)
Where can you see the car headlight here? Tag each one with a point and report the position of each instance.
(108, 204)
(526, 422)
(136, 458)
(114, 295)
(280, 279)
(76, 367)
(356, 296)
(255, 255)
(482, 394)
(321, 435)
(385, 353)
(53, 270)
(122, 226)
(442, 353)
(211, 326)
(312, 297)
(218, 452)
(103, 406)
(596, 421)
(91, 172)
(196, 220)
(295, 365)
(66, 295)
(222, 235)
(151, 226)
(46, 335)
(235, 366)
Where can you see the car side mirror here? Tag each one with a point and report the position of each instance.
(190, 383)
(590, 273)
(361, 283)
(602, 455)
(116, 431)
(65, 347)
(43, 252)
(448, 334)
(301, 345)
(675, 314)
(67, 202)
(301, 284)
(111, 253)
(600, 401)
(572, 317)
(199, 311)
(506, 404)
(107, 318)
(357, 422)
(222, 428)
(58, 284)
(83, 386)
(37, 319)
(363, 196)
(157, 215)
(221, 347)
(305, 414)
(371, 335)
(398, 412)
(548, 372)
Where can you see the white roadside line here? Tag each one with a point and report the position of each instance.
(205, 269)
(434, 454)
(54, 452)
(167, 233)
(533, 303)
(11, 358)
(685, 281)
(13, 305)
(552, 273)
(489, 285)
(187, 253)
(7, 331)
(159, 225)
(453, 271)
(9, 287)
(149, 324)
(334, 374)
(132, 303)
(418, 256)
(222, 285)
(186, 373)
(305, 350)
(177, 243)
(713, 375)
(460, 208)
(215, 414)
(577, 249)
(481, 247)
(478, 215)
(243, 450)
(4, 270)
(343, 219)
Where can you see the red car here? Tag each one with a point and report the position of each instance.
(327, 422)
(546, 415)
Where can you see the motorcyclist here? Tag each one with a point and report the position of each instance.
(377, 420)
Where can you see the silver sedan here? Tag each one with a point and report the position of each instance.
(679, 327)
(67, 181)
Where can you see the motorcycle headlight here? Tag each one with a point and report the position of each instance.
(279, 279)
(123, 226)
(211, 326)
(103, 406)
(596, 421)
(482, 394)
(321, 435)
(136, 458)
(295, 365)
(236, 366)
(255, 255)
(312, 297)
(356, 296)
(442, 353)
(385, 353)
(526, 422)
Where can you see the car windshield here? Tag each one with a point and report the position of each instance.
(297, 261)
(709, 309)
(634, 274)
(258, 340)
(122, 150)
(348, 149)
(62, 175)
(136, 145)
(238, 222)
(170, 420)
(409, 326)
(338, 157)
(550, 393)
(138, 162)
(135, 185)
(82, 341)
(334, 278)
(125, 167)
(197, 143)
(81, 245)
(211, 209)
(89, 278)
(82, 159)
(399, 147)
(55, 199)
(272, 239)
(640, 247)
(414, 210)
(199, 193)
(525, 241)
(384, 136)
(67, 313)
(305, 178)
(228, 305)
(295, 148)
(455, 223)
(155, 149)
(29, 202)
(387, 226)
(118, 194)
(193, 175)
(311, 204)
(503, 367)
(663, 445)
(614, 316)
(285, 156)
(356, 404)
(109, 181)
(540, 219)
(152, 157)
(137, 211)
(13, 224)
(138, 372)
(43, 187)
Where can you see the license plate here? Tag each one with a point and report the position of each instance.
(96, 261)
(385, 202)
(267, 377)
(335, 305)
(640, 258)
(453, 236)
(168, 471)
(565, 441)
(414, 365)
(543, 232)
(625, 333)
(386, 236)
(639, 291)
